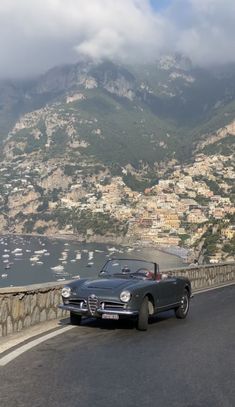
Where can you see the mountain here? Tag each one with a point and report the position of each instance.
(143, 114)
(81, 143)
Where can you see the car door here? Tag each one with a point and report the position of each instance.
(167, 292)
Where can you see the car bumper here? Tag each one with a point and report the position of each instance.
(98, 312)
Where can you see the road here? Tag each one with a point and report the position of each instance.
(176, 363)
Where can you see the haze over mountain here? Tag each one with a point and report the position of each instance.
(35, 36)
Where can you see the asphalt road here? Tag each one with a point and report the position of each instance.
(176, 363)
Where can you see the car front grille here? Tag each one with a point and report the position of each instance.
(92, 304)
(81, 303)
(112, 305)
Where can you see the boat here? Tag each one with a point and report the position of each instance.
(57, 268)
(4, 275)
(17, 250)
(78, 256)
(76, 277)
(34, 258)
(90, 255)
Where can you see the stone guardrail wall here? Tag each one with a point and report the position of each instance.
(22, 307)
(206, 276)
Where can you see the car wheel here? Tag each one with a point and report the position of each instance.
(142, 322)
(182, 311)
(75, 319)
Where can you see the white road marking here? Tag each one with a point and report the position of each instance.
(205, 290)
(24, 348)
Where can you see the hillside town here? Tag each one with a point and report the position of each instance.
(187, 205)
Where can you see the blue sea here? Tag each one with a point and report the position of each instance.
(28, 260)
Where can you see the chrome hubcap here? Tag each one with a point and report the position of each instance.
(184, 304)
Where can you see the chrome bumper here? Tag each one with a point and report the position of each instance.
(99, 311)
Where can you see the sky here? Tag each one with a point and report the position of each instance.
(38, 35)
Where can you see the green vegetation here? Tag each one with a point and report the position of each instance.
(84, 222)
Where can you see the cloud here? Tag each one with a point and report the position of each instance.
(204, 30)
(35, 36)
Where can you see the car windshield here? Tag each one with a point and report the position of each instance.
(129, 269)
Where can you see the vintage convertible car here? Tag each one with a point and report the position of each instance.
(127, 288)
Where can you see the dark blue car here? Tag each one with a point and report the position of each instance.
(127, 289)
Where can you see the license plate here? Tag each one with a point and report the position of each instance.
(110, 316)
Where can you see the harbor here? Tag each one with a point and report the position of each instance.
(32, 259)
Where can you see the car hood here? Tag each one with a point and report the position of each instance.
(108, 284)
(103, 287)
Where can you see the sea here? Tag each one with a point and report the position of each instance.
(26, 260)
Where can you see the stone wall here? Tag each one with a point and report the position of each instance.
(21, 307)
(207, 276)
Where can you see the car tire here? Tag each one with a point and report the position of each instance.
(75, 319)
(182, 311)
(142, 322)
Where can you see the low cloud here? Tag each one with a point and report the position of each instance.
(35, 36)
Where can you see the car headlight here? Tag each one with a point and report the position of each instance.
(125, 296)
(66, 292)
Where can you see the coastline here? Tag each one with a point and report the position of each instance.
(177, 251)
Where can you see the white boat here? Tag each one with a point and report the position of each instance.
(57, 268)
(4, 275)
(17, 250)
(76, 277)
(5, 255)
(18, 254)
(78, 256)
(34, 258)
(90, 255)
(61, 279)
(72, 260)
